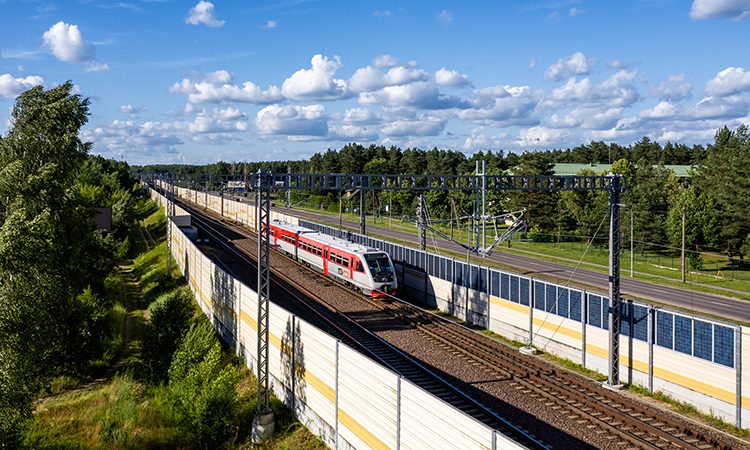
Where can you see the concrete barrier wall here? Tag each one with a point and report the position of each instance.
(345, 398)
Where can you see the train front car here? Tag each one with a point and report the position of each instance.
(382, 274)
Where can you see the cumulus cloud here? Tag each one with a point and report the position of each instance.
(616, 91)
(452, 78)
(10, 87)
(420, 126)
(127, 135)
(563, 68)
(503, 105)
(96, 67)
(480, 138)
(219, 86)
(203, 14)
(729, 81)
(369, 78)
(421, 94)
(708, 108)
(130, 109)
(270, 24)
(445, 17)
(66, 43)
(541, 137)
(719, 9)
(385, 61)
(316, 83)
(674, 89)
(587, 118)
(292, 120)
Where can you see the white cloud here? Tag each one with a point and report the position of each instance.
(729, 81)
(587, 118)
(420, 126)
(96, 67)
(708, 108)
(130, 109)
(421, 94)
(381, 13)
(360, 116)
(503, 105)
(10, 87)
(575, 64)
(219, 86)
(203, 13)
(479, 139)
(292, 120)
(385, 61)
(369, 79)
(127, 135)
(445, 17)
(270, 24)
(453, 78)
(216, 121)
(316, 83)
(616, 91)
(541, 137)
(674, 89)
(716, 9)
(575, 12)
(66, 43)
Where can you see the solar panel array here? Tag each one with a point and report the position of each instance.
(702, 338)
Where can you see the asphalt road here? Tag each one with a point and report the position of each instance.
(728, 308)
(699, 302)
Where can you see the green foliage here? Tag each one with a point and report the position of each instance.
(202, 388)
(170, 318)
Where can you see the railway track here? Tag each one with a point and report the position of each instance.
(332, 321)
(620, 421)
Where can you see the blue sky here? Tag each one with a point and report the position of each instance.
(198, 82)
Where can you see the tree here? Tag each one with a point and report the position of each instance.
(540, 205)
(49, 251)
(588, 209)
(723, 177)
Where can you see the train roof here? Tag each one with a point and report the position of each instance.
(338, 243)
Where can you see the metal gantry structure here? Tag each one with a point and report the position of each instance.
(264, 183)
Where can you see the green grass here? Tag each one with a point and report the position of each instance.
(689, 410)
(128, 413)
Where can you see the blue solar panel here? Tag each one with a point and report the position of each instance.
(449, 272)
(539, 302)
(626, 317)
(704, 343)
(683, 334)
(525, 289)
(562, 301)
(483, 280)
(459, 278)
(664, 327)
(495, 283)
(575, 305)
(595, 311)
(640, 323)
(514, 294)
(551, 305)
(474, 277)
(505, 286)
(724, 345)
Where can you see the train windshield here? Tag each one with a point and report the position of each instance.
(380, 266)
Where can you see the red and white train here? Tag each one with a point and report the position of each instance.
(365, 268)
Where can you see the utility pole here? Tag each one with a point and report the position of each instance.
(682, 255)
(631, 240)
(613, 381)
(422, 222)
(484, 209)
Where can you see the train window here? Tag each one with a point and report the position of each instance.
(359, 267)
(345, 262)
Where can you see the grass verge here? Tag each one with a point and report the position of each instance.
(128, 412)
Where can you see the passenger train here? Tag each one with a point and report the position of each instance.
(364, 268)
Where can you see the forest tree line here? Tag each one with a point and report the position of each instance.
(715, 196)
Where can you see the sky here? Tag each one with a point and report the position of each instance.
(198, 82)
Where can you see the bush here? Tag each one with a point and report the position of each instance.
(170, 320)
(202, 388)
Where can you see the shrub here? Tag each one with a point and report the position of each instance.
(170, 320)
(202, 388)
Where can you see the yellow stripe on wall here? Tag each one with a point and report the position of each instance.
(510, 305)
(361, 432)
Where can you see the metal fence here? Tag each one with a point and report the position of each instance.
(707, 339)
